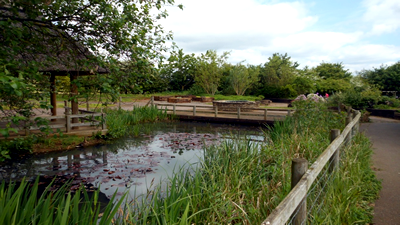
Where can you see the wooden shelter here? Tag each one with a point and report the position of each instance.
(54, 51)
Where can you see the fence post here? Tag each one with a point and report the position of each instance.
(289, 112)
(299, 168)
(334, 160)
(119, 104)
(66, 107)
(152, 101)
(68, 123)
(174, 109)
(265, 114)
(194, 110)
(238, 112)
(349, 135)
(216, 111)
(103, 119)
(27, 124)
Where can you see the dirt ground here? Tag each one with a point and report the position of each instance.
(385, 136)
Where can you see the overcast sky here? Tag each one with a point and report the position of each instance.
(361, 34)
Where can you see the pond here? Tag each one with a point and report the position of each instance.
(132, 164)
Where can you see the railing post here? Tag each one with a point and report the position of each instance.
(216, 111)
(265, 114)
(174, 109)
(349, 135)
(299, 168)
(103, 119)
(68, 123)
(194, 110)
(334, 160)
(66, 107)
(27, 124)
(238, 112)
(119, 103)
(87, 103)
(152, 101)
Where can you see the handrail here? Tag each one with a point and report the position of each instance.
(215, 111)
(287, 207)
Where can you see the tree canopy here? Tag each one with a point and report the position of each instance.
(386, 77)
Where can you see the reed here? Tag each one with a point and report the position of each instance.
(22, 204)
(125, 122)
(242, 182)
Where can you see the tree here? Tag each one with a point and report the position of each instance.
(386, 77)
(334, 78)
(332, 71)
(276, 77)
(58, 34)
(180, 69)
(242, 77)
(209, 72)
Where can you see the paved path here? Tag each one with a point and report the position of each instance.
(385, 135)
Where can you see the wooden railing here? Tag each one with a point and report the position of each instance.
(69, 125)
(302, 179)
(214, 110)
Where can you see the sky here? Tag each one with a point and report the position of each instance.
(360, 34)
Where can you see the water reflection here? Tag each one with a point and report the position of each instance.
(134, 163)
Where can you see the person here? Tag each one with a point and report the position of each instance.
(326, 95)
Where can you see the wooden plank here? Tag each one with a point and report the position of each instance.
(84, 115)
(50, 126)
(84, 124)
(285, 209)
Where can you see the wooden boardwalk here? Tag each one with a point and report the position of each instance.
(208, 113)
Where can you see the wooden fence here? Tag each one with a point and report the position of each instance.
(208, 109)
(302, 179)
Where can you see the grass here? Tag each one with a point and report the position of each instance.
(20, 204)
(239, 182)
(242, 182)
(123, 122)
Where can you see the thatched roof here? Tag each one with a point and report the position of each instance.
(54, 50)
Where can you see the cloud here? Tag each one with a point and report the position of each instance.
(230, 24)
(384, 15)
(253, 30)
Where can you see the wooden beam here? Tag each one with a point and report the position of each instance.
(53, 95)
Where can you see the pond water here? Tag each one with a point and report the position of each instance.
(132, 164)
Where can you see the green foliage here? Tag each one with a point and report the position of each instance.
(386, 77)
(276, 77)
(78, 37)
(335, 71)
(180, 70)
(120, 122)
(332, 85)
(209, 71)
(349, 199)
(22, 204)
(242, 77)
(356, 99)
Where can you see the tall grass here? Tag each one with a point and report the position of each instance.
(124, 122)
(240, 182)
(22, 204)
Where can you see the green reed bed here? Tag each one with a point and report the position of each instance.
(125, 122)
(241, 182)
(350, 197)
(22, 204)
